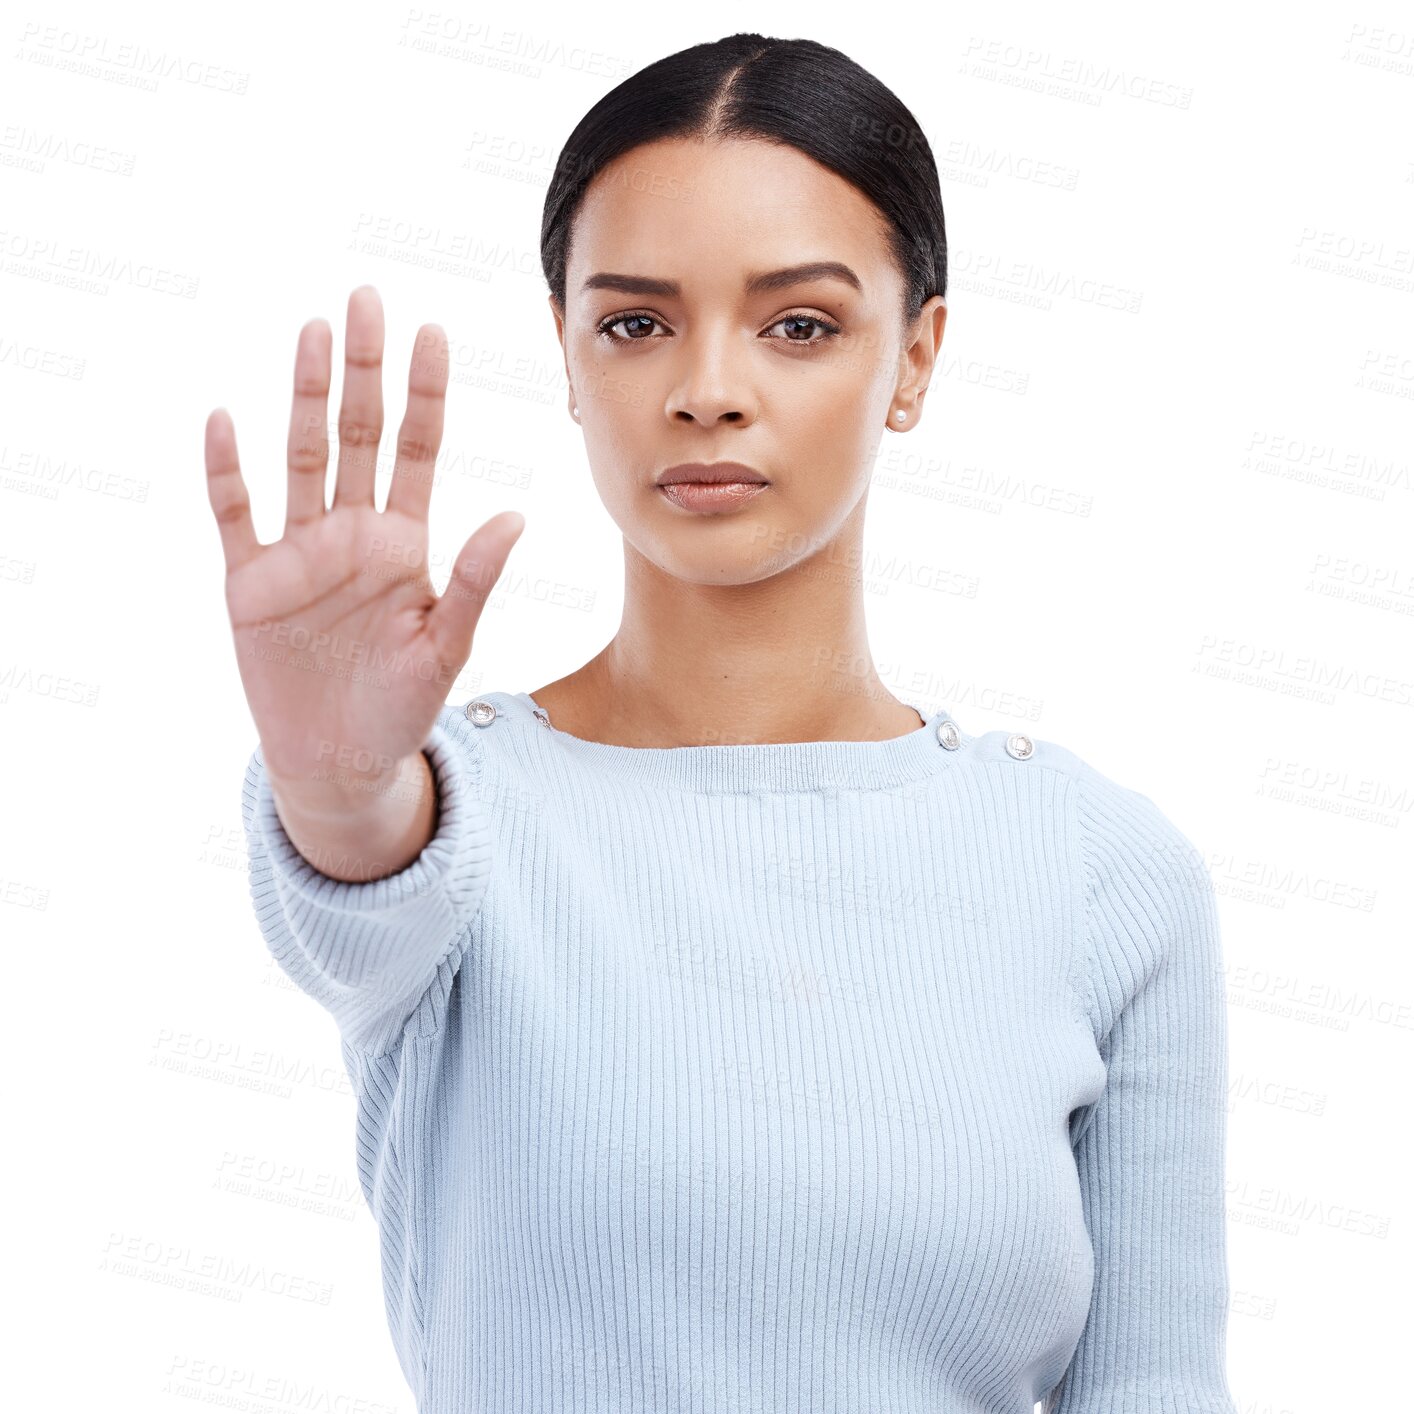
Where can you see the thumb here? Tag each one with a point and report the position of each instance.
(455, 615)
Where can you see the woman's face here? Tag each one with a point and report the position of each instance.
(675, 356)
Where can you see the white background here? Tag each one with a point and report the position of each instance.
(1175, 538)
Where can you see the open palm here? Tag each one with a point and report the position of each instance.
(345, 650)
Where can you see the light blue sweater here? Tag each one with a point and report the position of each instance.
(832, 1077)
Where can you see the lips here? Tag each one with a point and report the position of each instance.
(712, 497)
(711, 474)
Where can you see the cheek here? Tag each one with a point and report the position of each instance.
(828, 433)
(827, 413)
(843, 394)
(617, 398)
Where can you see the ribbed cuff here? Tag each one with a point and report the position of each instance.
(379, 955)
(461, 836)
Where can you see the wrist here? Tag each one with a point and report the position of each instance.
(336, 793)
(365, 830)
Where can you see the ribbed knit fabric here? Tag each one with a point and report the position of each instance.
(829, 1077)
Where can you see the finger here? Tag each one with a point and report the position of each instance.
(226, 490)
(420, 436)
(454, 617)
(307, 455)
(361, 407)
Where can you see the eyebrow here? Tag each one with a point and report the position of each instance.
(755, 284)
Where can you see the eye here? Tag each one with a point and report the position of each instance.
(800, 317)
(799, 322)
(634, 316)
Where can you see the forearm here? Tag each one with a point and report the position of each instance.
(358, 834)
(371, 945)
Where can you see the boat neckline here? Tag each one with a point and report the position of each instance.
(749, 766)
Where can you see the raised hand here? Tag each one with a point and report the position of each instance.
(345, 650)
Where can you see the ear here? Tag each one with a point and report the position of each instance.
(920, 352)
(559, 319)
(560, 334)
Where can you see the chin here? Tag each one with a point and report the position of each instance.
(706, 554)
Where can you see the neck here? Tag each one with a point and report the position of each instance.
(785, 659)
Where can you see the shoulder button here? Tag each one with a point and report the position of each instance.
(481, 712)
(1020, 746)
(948, 734)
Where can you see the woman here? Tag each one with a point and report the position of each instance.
(727, 1033)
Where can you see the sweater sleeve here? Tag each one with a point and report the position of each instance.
(370, 952)
(1149, 1151)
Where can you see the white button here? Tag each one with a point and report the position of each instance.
(948, 734)
(481, 712)
(1019, 746)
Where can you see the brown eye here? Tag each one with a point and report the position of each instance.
(798, 324)
(635, 318)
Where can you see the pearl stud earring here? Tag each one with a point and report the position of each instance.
(900, 416)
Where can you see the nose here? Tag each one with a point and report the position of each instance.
(711, 386)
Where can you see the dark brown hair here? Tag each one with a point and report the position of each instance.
(791, 91)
